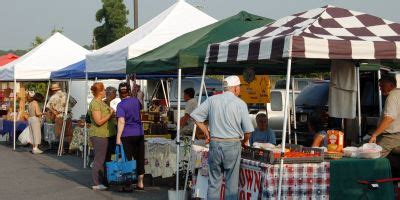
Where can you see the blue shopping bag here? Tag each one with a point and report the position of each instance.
(119, 170)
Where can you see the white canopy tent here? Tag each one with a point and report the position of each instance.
(175, 21)
(55, 53)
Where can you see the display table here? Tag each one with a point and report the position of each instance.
(48, 132)
(336, 179)
(347, 171)
(260, 181)
(160, 157)
(8, 126)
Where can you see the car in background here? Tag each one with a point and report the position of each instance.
(299, 83)
(313, 102)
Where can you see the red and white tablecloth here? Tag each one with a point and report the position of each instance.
(300, 181)
(260, 181)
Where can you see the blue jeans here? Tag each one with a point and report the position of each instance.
(223, 161)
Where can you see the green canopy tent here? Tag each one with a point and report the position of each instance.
(189, 50)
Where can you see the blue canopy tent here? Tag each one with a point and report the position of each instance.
(78, 71)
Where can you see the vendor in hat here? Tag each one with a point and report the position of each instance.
(56, 107)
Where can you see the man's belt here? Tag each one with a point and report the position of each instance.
(225, 139)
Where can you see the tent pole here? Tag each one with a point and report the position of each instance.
(294, 112)
(178, 130)
(285, 121)
(65, 116)
(169, 101)
(204, 86)
(85, 128)
(15, 111)
(380, 92)
(194, 128)
(358, 103)
(47, 96)
(163, 89)
(289, 127)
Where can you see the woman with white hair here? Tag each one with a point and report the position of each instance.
(262, 134)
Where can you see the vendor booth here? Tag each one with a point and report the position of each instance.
(312, 41)
(189, 50)
(55, 53)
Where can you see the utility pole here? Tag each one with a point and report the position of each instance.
(135, 14)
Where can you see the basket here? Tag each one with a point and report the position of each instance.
(256, 154)
(267, 156)
(333, 155)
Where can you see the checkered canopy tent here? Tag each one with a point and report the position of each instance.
(323, 33)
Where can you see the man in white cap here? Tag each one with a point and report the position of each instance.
(230, 127)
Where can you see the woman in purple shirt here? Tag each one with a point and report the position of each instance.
(130, 130)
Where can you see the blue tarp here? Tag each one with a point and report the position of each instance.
(77, 71)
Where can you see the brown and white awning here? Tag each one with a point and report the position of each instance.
(323, 33)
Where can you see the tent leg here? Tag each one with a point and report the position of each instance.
(169, 101)
(358, 104)
(202, 84)
(15, 112)
(294, 112)
(205, 88)
(163, 89)
(285, 121)
(380, 93)
(47, 96)
(178, 130)
(85, 128)
(61, 145)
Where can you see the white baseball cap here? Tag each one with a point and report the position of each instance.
(231, 81)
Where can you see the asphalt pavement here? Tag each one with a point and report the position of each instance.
(47, 177)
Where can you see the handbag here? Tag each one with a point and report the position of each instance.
(119, 170)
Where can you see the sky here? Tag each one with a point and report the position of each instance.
(22, 20)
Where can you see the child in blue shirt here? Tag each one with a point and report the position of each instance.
(262, 133)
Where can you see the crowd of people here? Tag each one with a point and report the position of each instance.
(223, 120)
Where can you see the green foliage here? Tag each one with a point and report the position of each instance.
(37, 87)
(37, 41)
(113, 16)
(55, 30)
(18, 52)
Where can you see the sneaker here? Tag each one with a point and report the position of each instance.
(37, 151)
(99, 187)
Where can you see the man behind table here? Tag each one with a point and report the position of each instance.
(230, 124)
(387, 135)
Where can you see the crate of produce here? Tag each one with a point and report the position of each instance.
(256, 154)
(302, 155)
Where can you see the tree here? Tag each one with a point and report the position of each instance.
(113, 16)
(37, 41)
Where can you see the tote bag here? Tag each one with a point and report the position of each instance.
(119, 170)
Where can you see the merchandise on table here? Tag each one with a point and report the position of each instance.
(293, 154)
(335, 141)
